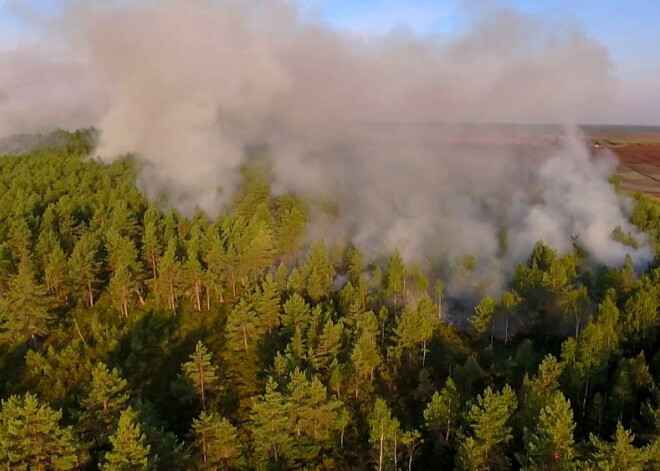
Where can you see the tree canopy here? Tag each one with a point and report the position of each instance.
(136, 337)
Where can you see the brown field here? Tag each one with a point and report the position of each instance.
(639, 157)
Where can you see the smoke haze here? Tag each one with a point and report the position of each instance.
(188, 86)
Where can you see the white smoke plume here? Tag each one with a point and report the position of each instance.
(187, 86)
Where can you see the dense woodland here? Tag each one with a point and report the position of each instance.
(133, 338)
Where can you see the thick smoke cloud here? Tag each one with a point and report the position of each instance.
(39, 92)
(189, 86)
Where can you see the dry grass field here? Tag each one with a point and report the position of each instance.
(639, 158)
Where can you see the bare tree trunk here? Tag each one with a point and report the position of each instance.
(448, 424)
(405, 290)
(171, 298)
(424, 353)
(584, 399)
(154, 271)
(380, 452)
(201, 384)
(139, 294)
(394, 458)
(75, 322)
(198, 300)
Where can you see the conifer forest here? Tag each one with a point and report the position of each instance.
(137, 338)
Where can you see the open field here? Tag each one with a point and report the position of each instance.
(640, 178)
(638, 150)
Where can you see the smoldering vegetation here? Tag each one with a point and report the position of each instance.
(190, 87)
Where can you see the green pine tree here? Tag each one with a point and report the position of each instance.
(442, 413)
(151, 243)
(395, 278)
(482, 321)
(297, 313)
(550, 447)
(242, 326)
(318, 271)
(200, 372)
(216, 442)
(270, 427)
(366, 359)
(489, 420)
(32, 438)
(121, 288)
(268, 304)
(106, 397)
(84, 269)
(169, 281)
(619, 454)
(129, 446)
(384, 433)
(25, 312)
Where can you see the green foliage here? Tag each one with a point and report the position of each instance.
(482, 321)
(200, 372)
(318, 357)
(384, 432)
(416, 325)
(621, 453)
(216, 443)
(318, 271)
(366, 358)
(442, 414)
(101, 407)
(268, 305)
(485, 446)
(242, 326)
(25, 312)
(56, 374)
(551, 445)
(536, 393)
(129, 447)
(270, 427)
(297, 313)
(32, 438)
(298, 426)
(395, 278)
